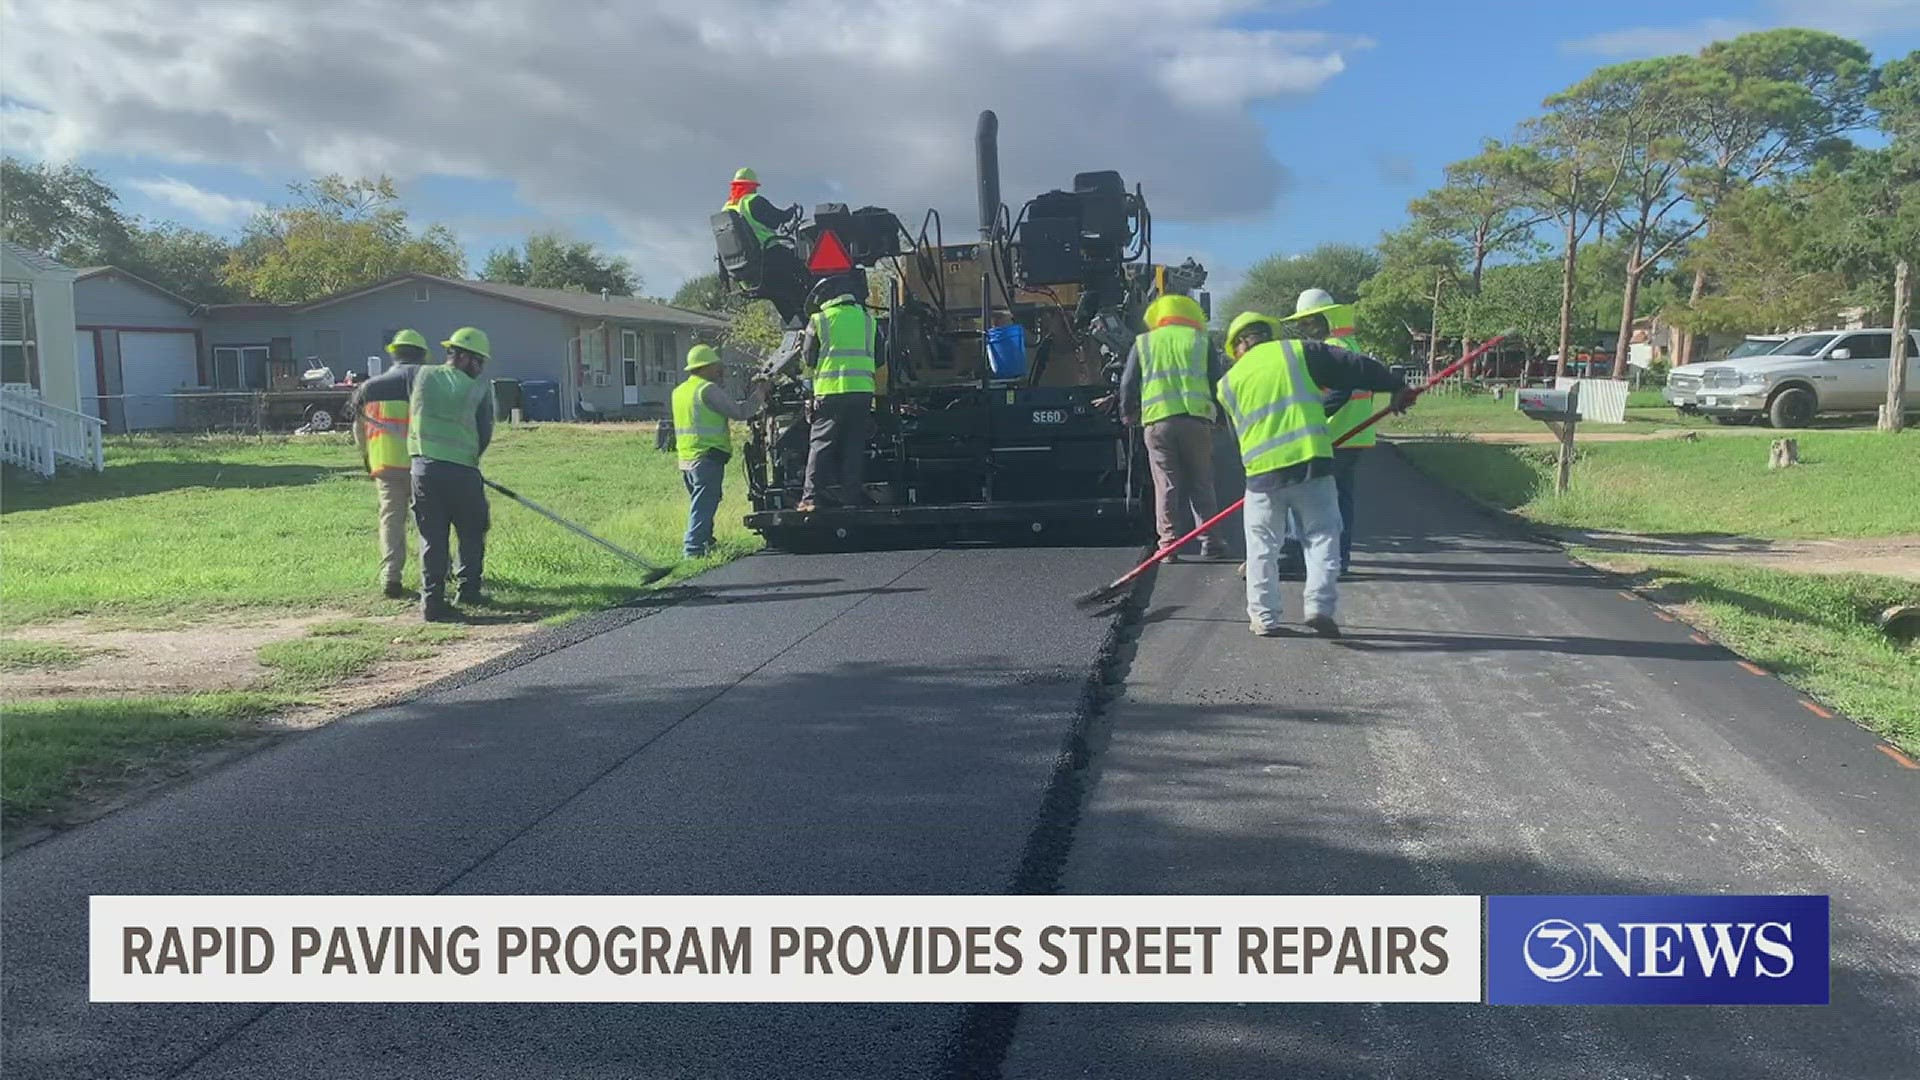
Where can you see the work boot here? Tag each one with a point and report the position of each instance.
(394, 591)
(1324, 626)
(473, 598)
(434, 609)
(1261, 630)
(806, 506)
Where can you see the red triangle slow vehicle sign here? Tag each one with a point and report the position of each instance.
(829, 255)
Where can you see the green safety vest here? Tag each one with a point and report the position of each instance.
(1350, 416)
(441, 410)
(1173, 374)
(696, 427)
(1275, 408)
(761, 234)
(845, 331)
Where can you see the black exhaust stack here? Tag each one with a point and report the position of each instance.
(986, 155)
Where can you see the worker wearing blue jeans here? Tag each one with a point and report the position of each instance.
(703, 439)
(1273, 395)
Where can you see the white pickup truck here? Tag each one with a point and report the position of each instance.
(1834, 371)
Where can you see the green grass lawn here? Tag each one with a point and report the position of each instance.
(184, 530)
(49, 750)
(1816, 631)
(177, 530)
(1848, 485)
(28, 655)
(1453, 412)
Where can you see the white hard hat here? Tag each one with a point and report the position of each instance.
(1313, 301)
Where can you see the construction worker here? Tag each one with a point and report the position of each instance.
(1273, 395)
(380, 427)
(450, 423)
(704, 439)
(839, 351)
(1316, 317)
(783, 278)
(1167, 386)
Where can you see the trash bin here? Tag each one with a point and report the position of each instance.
(540, 399)
(506, 398)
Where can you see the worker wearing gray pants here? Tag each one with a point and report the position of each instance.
(839, 351)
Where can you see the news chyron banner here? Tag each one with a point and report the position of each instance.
(785, 948)
(1538, 950)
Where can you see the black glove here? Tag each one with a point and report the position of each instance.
(1404, 398)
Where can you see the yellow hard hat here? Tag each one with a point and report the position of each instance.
(702, 356)
(470, 339)
(746, 174)
(1171, 308)
(1249, 318)
(408, 337)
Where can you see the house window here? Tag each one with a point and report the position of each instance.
(420, 294)
(240, 367)
(660, 365)
(19, 344)
(630, 357)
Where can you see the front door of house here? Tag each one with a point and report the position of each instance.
(630, 367)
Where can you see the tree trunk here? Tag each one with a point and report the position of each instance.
(1628, 300)
(1567, 269)
(1433, 330)
(1895, 416)
(1684, 354)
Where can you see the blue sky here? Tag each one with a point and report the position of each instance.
(574, 125)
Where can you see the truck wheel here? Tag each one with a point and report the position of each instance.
(1791, 408)
(319, 418)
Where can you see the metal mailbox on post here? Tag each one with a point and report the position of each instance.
(1560, 411)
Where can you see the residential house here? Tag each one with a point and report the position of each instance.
(611, 356)
(36, 326)
(140, 349)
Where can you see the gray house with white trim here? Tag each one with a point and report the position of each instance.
(612, 356)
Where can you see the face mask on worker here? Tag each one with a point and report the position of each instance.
(467, 362)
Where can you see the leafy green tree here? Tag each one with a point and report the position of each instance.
(1573, 175)
(1275, 283)
(551, 261)
(1402, 300)
(186, 261)
(1770, 105)
(66, 212)
(703, 293)
(336, 235)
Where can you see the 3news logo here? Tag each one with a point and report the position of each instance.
(1657, 950)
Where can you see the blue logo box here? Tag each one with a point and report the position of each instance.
(1657, 950)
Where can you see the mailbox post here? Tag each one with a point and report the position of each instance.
(1559, 410)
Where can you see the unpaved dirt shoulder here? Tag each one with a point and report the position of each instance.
(1886, 556)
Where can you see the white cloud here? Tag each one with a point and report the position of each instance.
(1860, 19)
(640, 111)
(208, 207)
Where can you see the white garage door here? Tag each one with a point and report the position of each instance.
(153, 366)
(88, 372)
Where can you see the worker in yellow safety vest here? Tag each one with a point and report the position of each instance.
(1316, 317)
(1273, 395)
(783, 278)
(703, 438)
(380, 427)
(839, 352)
(1166, 388)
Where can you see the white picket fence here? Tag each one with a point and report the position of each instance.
(39, 437)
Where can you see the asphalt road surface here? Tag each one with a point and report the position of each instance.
(1497, 720)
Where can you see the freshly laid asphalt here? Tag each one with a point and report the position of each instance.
(1497, 720)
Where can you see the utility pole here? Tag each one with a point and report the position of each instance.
(1893, 416)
